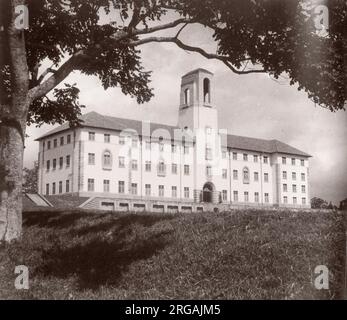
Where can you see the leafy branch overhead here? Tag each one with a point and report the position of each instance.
(104, 38)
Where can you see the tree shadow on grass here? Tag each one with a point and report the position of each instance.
(99, 254)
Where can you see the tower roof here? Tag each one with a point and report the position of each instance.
(196, 71)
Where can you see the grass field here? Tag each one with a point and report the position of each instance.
(235, 255)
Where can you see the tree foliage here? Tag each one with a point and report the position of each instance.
(30, 179)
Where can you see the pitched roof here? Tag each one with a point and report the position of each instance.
(96, 120)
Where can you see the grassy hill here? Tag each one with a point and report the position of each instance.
(234, 255)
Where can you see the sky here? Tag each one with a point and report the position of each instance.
(252, 105)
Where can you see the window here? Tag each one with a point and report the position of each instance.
(303, 189)
(208, 153)
(266, 177)
(224, 154)
(266, 197)
(134, 188)
(303, 200)
(68, 139)
(235, 174)
(47, 165)
(285, 187)
(148, 189)
(91, 136)
(174, 191)
(161, 168)
(256, 176)
(294, 175)
(245, 175)
(206, 87)
(236, 196)
(174, 168)
(55, 143)
(245, 157)
(255, 158)
(285, 199)
(295, 201)
(148, 145)
(246, 197)
(90, 184)
(209, 171)
(161, 191)
(47, 188)
(61, 141)
(67, 186)
(91, 158)
(284, 175)
(256, 196)
(107, 137)
(121, 162)
(148, 166)
(106, 185)
(134, 165)
(186, 96)
(134, 142)
(186, 192)
(48, 144)
(121, 186)
(173, 148)
(224, 173)
(224, 195)
(294, 187)
(54, 164)
(67, 161)
(186, 170)
(302, 162)
(266, 159)
(234, 155)
(303, 177)
(107, 159)
(284, 160)
(121, 140)
(61, 162)
(293, 161)
(53, 188)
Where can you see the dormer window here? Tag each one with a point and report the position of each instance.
(207, 94)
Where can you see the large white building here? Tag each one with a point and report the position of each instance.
(125, 164)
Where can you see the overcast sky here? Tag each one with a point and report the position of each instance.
(251, 105)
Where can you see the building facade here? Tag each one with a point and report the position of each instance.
(128, 164)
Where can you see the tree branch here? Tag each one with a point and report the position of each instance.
(183, 46)
(162, 27)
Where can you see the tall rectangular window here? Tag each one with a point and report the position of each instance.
(68, 138)
(209, 171)
(134, 165)
(54, 164)
(224, 195)
(55, 143)
(68, 161)
(48, 145)
(91, 158)
(67, 186)
(148, 189)
(186, 170)
(174, 168)
(294, 175)
(61, 162)
(53, 188)
(47, 165)
(106, 185)
(174, 192)
(121, 186)
(186, 192)
(284, 160)
(161, 191)
(208, 154)
(173, 148)
(47, 188)
(293, 161)
(266, 177)
(266, 196)
(266, 159)
(284, 175)
(256, 176)
(60, 186)
(245, 157)
(303, 189)
(61, 141)
(234, 155)
(91, 136)
(256, 196)
(255, 158)
(148, 166)
(121, 140)
(285, 199)
(302, 162)
(303, 200)
(295, 200)
(121, 162)
(303, 177)
(236, 196)
(161, 168)
(294, 187)
(107, 137)
(134, 188)
(246, 197)
(90, 184)
(285, 188)
(224, 173)
(235, 174)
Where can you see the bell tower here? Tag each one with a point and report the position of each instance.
(196, 110)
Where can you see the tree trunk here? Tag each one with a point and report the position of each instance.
(11, 164)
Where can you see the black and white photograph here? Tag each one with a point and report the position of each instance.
(173, 150)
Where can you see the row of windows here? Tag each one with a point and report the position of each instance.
(134, 188)
(284, 176)
(246, 196)
(295, 200)
(293, 161)
(60, 187)
(61, 163)
(246, 175)
(55, 142)
(294, 189)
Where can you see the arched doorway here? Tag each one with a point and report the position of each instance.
(207, 192)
